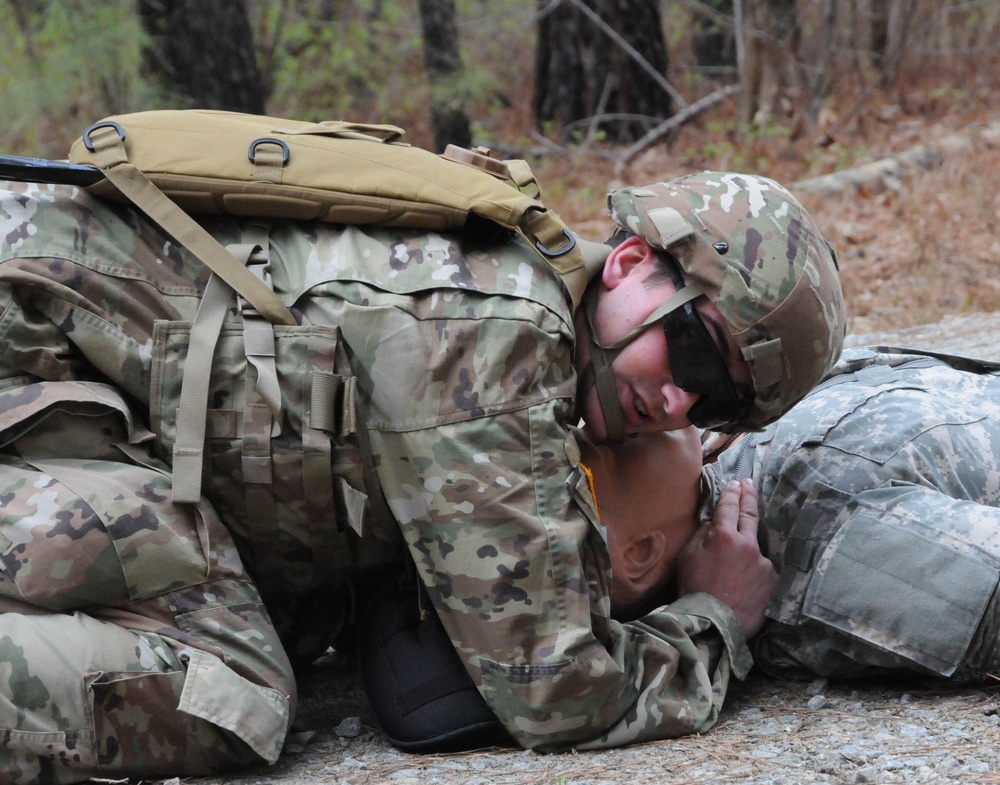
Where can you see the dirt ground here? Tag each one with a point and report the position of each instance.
(770, 732)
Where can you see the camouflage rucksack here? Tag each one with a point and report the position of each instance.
(292, 409)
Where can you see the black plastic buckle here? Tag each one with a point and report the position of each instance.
(252, 152)
(555, 254)
(103, 124)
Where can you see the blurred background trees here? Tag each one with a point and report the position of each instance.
(520, 75)
(203, 50)
(602, 65)
(593, 93)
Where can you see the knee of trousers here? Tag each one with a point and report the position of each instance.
(81, 697)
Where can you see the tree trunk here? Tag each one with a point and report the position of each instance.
(443, 62)
(770, 33)
(715, 35)
(604, 60)
(204, 50)
(818, 84)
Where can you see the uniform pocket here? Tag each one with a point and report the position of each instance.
(139, 731)
(257, 715)
(270, 470)
(891, 581)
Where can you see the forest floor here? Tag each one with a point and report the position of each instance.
(917, 246)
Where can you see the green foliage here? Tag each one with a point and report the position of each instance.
(340, 60)
(364, 60)
(67, 63)
(730, 146)
(67, 59)
(951, 93)
(677, 21)
(833, 158)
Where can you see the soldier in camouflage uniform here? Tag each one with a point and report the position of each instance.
(422, 412)
(877, 498)
(879, 503)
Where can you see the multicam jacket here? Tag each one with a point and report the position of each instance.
(880, 507)
(463, 357)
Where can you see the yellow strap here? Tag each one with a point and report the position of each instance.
(113, 161)
(522, 176)
(387, 134)
(593, 488)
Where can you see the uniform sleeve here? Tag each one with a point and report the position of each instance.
(520, 578)
(883, 487)
(838, 608)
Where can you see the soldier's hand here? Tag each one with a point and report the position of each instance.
(723, 558)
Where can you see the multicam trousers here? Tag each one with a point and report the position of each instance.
(132, 642)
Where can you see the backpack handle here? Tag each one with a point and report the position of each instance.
(372, 132)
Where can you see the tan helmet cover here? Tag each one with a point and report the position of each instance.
(764, 265)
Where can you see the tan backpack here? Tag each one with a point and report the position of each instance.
(171, 162)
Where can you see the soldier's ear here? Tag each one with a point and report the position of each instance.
(644, 560)
(625, 260)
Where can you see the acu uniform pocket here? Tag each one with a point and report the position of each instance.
(890, 581)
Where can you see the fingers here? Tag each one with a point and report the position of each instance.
(748, 519)
(737, 507)
(727, 511)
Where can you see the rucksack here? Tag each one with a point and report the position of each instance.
(217, 162)
(171, 163)
(295, 382)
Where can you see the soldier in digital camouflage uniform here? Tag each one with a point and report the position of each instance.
(879, 503)
(134, 642)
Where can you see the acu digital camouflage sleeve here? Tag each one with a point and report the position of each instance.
(880, 505)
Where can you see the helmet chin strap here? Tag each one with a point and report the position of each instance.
(598, 373)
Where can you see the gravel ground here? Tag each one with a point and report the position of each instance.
(771, 732)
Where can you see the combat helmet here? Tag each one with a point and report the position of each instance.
(747, 244)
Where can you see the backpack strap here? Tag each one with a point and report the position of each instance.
(107, 143)
(192, 411)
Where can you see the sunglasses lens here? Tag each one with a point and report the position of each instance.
(697, 366)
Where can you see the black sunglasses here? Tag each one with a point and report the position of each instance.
(698, 366)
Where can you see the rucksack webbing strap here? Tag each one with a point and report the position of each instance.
(192, 410)
(113, 161)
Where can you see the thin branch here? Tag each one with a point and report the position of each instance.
(664, 128)
(611, 117)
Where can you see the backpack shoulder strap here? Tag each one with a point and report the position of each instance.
(107, 144)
